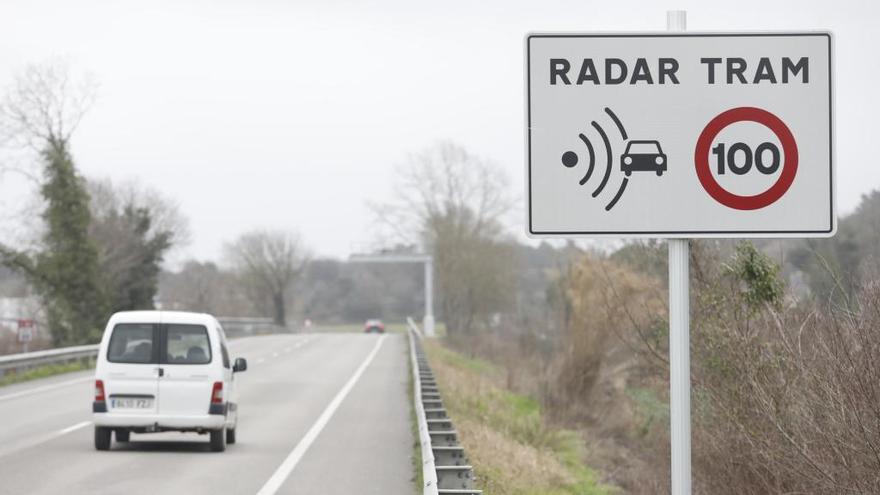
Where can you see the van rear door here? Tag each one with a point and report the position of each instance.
(131, 380)
(189, 370)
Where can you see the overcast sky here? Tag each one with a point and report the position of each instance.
(292, 114)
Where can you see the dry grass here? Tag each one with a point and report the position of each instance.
(790, 403)
(504, 434)
(785, 392)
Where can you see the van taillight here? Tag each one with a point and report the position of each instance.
(99, 391)
(217, 393)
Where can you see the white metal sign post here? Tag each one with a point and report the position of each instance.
(679, 341)
(679, 135)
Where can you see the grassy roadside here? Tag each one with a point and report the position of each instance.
(511, 448)
(46, 371)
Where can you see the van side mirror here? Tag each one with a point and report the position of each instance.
(240, 365)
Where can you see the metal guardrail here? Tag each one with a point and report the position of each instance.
(28, 360)
(445, 469)
(235, 327)
(411, 324)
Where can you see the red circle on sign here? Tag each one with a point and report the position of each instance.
(746, 114)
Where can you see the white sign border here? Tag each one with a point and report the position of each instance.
(684, 234)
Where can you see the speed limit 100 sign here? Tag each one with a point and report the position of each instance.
(680, 135)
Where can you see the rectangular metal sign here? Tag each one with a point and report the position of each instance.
(680, 135)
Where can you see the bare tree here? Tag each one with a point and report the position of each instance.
(203, 287)
(454, 204)
(165, 214)
(41, 112)
(133, 228)
(45, 106)
(446, 183)
(269, 262)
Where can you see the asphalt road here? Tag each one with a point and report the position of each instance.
(319, 413)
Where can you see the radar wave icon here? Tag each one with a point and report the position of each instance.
(638, 155)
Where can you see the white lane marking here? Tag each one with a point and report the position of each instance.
(274, 354)
(75, 427)
(287, 349)
(261, 360)
(45, 388)
(280, 475)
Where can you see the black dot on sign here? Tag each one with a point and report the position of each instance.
(569, 159)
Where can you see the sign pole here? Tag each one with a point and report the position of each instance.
(679, 366)
(679, 340)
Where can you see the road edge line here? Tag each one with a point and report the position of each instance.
(290, 462)
(73, 428)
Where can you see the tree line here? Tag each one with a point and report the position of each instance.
(99, 247)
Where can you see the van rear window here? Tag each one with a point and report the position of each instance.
(188, 344)
(132, 343)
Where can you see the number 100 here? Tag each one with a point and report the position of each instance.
(729, 158)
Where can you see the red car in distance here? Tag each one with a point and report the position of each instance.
(374, 326)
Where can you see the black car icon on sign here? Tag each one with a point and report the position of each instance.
(643, 156)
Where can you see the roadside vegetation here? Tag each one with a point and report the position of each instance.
(543, 340)
(46, 371)
(513, 449)
(96, 246)
(783, 387)
(93, 247)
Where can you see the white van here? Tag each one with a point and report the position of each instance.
(165, 371)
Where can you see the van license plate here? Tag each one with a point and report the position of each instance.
(131, 403)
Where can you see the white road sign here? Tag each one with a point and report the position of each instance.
(680, 135)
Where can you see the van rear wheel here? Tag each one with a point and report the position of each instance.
(230, 436)
(218, 440)
(102, 438)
